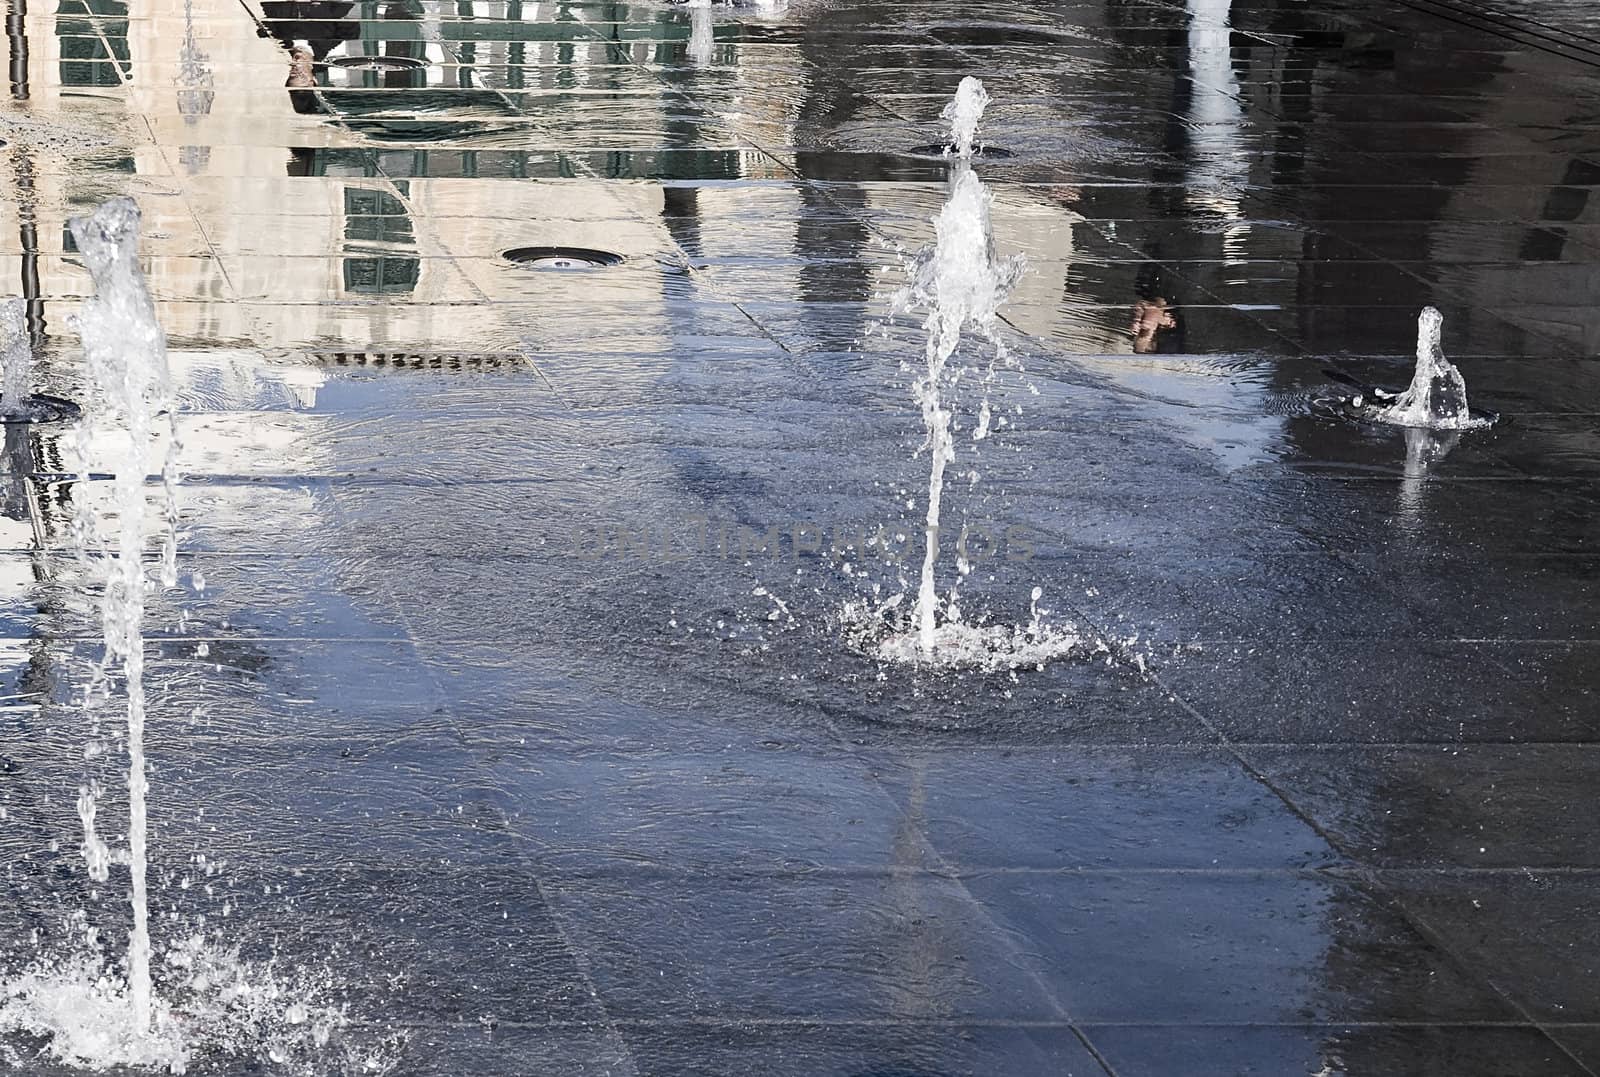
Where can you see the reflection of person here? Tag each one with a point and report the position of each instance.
(318, 24)
(300, 61)
(302, 79)
(1150, 316)
(1153, 311)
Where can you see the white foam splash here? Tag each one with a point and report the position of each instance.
(211, 1003)
(88, 1018)
(876, 630)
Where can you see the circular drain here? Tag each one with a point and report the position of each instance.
(377, 63)
(948, 149)
(561, 257)
(43, 408)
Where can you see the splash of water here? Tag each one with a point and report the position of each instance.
(90, 1010)
(217, 1004)
(1437, 396)
(125, 354)
(127, 388)
(964, 113)
(958, 285)
(957, 645)
(16, 358)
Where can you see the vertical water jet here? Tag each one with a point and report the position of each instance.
(1437, 396)
(964, 113)
(958, 285)
(128, 390)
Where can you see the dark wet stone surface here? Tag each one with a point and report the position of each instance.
(1428, 1051)
(552, 795)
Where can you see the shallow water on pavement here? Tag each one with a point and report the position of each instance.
(517, 698)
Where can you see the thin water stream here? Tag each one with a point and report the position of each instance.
(958, 285)
(90, 1006)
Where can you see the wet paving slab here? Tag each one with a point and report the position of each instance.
(509, 692)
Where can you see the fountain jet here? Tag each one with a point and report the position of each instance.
(125, 355)
(958, 284)
(1437, 397)
(964, 113)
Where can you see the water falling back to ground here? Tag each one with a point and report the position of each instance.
(125, 358)
(958, 285)
(112, 1013)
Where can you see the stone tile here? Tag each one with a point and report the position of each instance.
(404, 946)
(1428, 1052)
(1512, 598)
(804, 1050)
(1532, 933)
(488, 1045)
(721, 809)
(1263, 598)
(1395, 692)
(1582, 1041)
(1075, 807)
(1231, 947)
(869, 947)
(413, 800)
(1461, 806)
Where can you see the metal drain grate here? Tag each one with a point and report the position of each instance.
(420, 360)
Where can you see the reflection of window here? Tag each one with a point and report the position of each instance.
(88, 29)
(380, 275)
(375, 217)
(375, 221)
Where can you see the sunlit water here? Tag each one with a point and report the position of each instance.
(964, 113)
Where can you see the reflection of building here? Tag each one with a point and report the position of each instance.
(263, 215)
(93, 44)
